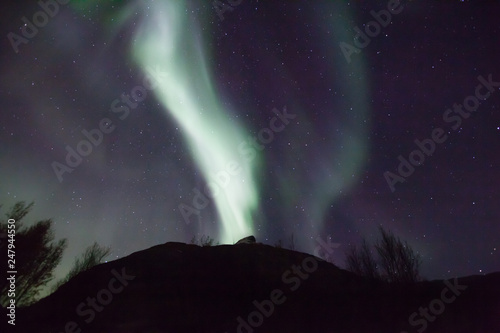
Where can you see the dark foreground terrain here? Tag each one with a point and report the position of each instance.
(177, 287)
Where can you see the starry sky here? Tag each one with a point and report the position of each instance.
(140, 122)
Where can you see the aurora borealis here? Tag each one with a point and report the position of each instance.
(170, 40)
(253, 124)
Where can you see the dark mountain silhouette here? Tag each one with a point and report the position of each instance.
(178, 287)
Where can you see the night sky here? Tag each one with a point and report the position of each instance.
(264, 118)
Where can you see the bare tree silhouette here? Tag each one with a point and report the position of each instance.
(92, 256)
(397, 262)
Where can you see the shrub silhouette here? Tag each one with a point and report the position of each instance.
(92, 256)
(204, 241)
(362, 262)
(397, 262)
